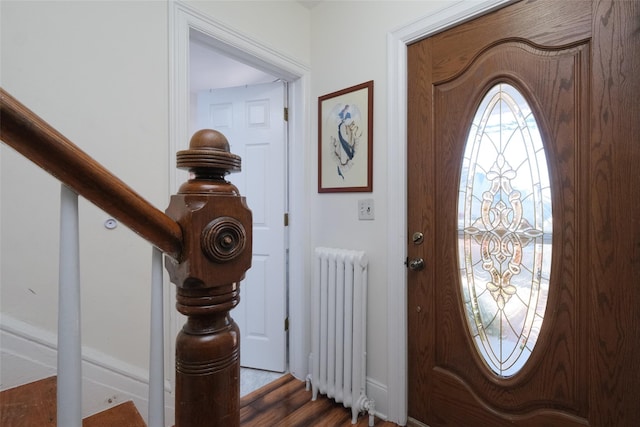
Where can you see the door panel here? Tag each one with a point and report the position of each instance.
(521, 65)
(251, 117)
(449, 74)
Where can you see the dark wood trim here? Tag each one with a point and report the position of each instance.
(38, 141)
(322, 112)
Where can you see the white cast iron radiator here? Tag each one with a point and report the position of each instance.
(339, 329)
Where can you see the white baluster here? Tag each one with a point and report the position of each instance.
(69, 351)
(156, 358)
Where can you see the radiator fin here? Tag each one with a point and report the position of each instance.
(339, 331)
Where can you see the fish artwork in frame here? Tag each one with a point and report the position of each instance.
(345, 140)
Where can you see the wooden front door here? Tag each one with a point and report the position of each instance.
(503, 112)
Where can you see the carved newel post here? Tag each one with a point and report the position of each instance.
(216, 226)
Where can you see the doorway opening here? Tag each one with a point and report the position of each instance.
(265, 61)
(248, 106)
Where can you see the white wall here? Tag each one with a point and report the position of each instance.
(282, 25)
(349, 46)
(97, 71)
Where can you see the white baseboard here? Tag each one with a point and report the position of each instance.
(28, 354)
(378, 393)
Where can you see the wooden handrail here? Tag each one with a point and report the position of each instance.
(209, 259)
(38, 141)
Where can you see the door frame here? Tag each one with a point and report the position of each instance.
(183, 18)
(397, 41)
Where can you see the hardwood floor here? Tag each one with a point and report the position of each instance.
(32, 404)
(286, 403)
(282, 403)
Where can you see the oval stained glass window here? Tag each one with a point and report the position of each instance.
(504, 230)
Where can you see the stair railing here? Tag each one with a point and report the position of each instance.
(206, 237)
(156, 345)
(69, 380)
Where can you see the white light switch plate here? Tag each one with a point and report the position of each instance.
(365, 209)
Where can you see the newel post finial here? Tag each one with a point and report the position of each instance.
(217, 229)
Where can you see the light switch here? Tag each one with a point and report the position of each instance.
(365, 209)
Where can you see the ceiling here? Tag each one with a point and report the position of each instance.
(211, 69)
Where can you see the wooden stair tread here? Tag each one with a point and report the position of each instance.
(124, 415)
(34, 404)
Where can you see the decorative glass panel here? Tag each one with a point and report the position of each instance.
(504, 230)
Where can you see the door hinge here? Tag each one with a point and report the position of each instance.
(286, 323)
(286, 219)
(286, 114)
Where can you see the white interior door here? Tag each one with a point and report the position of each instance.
(252, 119)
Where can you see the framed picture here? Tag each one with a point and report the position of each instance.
(345, 140)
